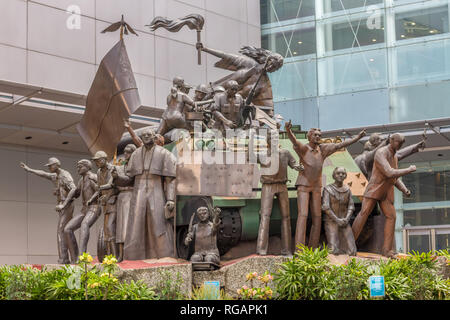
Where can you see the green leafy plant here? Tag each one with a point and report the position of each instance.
(350, 281)
(209, 293)
(306, 276)
(169, 287)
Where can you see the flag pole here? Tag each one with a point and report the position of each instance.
(199, 51)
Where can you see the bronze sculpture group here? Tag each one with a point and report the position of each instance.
(137, 198)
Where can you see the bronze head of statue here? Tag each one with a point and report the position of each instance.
(148, 137)
(375, 139)
(129, 149)
(274, 60)
(203, 214)
(232, 87)
(396, 141)
(314, 135)
(53, 165)
(339, 175)
(101, 159)
(83, 166)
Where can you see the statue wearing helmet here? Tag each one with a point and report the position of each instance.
(64, 184)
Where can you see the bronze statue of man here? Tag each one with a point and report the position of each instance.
(337, 203)
(123, 200)
(365, 159)
(205, 234)
(385, 175)
(309, 182)
(107, 197)
(87, 186)
(227, 107)
(64, 184)
(275, 185)
(174, 116)
(152, 170)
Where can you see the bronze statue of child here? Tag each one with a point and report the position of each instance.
(205, 234)
(337, 203)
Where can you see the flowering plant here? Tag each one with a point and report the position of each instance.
(258, 293)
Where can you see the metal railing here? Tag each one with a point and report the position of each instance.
(430, 231)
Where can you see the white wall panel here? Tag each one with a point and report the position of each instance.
(48, 33)
(58, 73)
(13, 23)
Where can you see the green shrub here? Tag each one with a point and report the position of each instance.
(306, 276)
(209, 293)
(169, 287)
(350, 281)
(70, 283)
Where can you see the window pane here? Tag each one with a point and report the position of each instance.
(301, 41)
(420, 102)
(428, 186)
(358, 32)
(442, 241)
(338, 5)
(419, 243)
(280, 10)
(423, 62)
(294, 81)
(352, 72)
(427, 217)
(421, 23)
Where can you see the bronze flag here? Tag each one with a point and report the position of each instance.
(112, 98)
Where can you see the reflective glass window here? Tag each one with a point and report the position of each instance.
(428, 186)
(280, 10)
(427, 101)
(338, 5)
(353, 32)
(426, 217)
(421, 23)
(422, 62)
(294, 80)
(291, 43)
(352, 72)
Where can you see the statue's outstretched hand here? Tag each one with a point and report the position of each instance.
(24, 166)
(288, 125)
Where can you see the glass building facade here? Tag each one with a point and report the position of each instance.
(380, 61)
(353, 63)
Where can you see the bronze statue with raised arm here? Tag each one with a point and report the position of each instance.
(385, 175)
(309, 182)
(338, 206)
(205, 234)
(365, 160)
(64, 184)
(87, 186)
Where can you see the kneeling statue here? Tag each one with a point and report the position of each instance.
(337, 203)
(205, 233)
